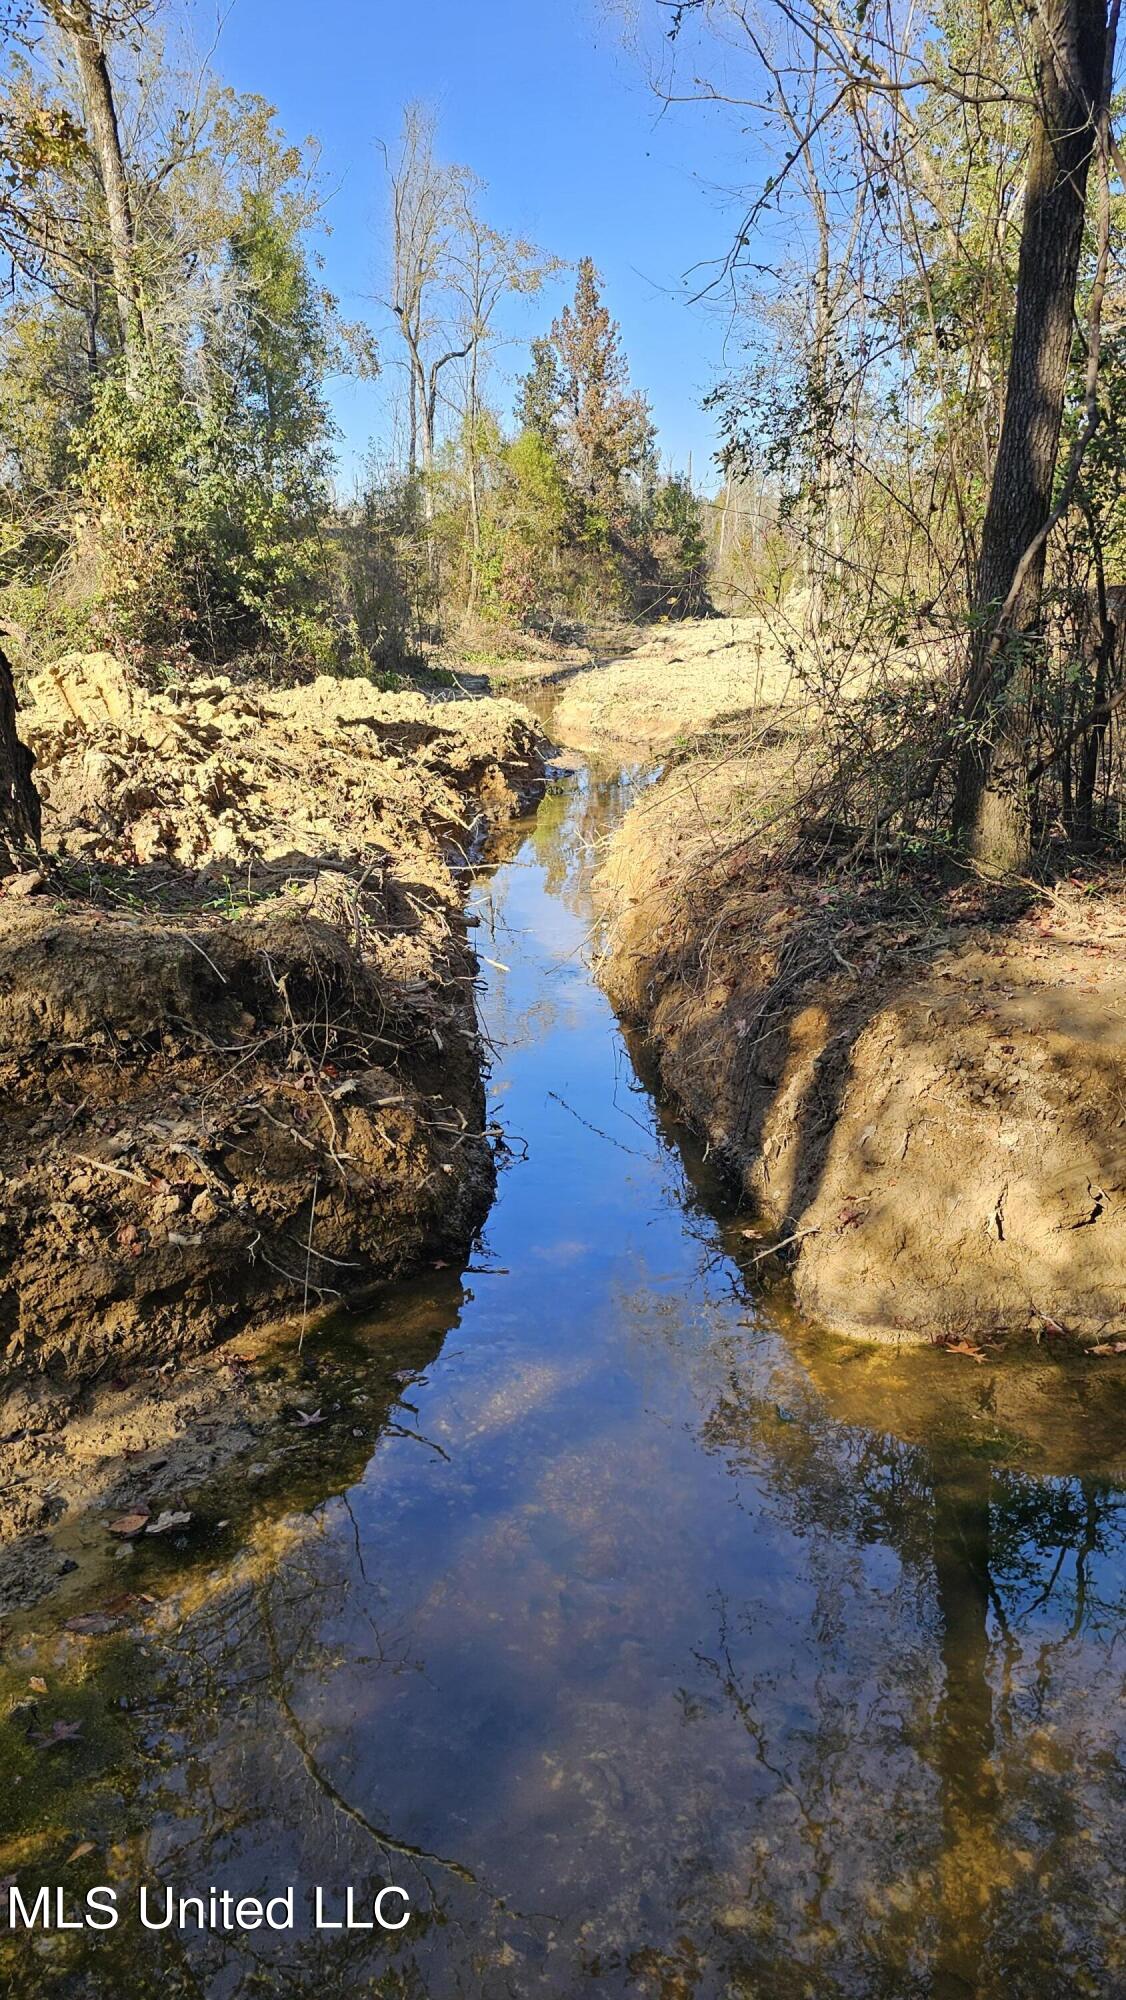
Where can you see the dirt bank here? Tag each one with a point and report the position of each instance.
(925, 1086)
(239, 1060)
(654, 684)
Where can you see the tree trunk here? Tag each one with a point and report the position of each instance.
(471, 468)
(20, 817)
(1092, 744)
(76, 21)
(992, 808)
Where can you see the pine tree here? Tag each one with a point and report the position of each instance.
(540, 394)
(604, 425)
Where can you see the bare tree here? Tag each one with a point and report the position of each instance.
(85, 30)
(908, 136)
(485, 267)
(428, 201)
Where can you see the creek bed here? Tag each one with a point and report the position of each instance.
(654, 1644)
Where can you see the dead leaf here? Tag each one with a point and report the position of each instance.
(84, 1847)
(1109, 1347)
(130, 1524)
(167, 1520)
(963, 1347)
(37, 1684)
(307, 1417)
(59, 1732)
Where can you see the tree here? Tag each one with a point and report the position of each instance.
(1074, 57)
(603, 425)
(917, 253)
(678, 541)
(539, 398)
(19, 801)
(451, 270)
(428, 200)
(85, 32)
(485, 267)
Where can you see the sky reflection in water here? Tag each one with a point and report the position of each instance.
(650, 1665)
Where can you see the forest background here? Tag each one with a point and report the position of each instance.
(918, 481)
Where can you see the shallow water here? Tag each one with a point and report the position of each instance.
(659, 1647)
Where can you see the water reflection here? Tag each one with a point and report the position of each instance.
(660, 1647)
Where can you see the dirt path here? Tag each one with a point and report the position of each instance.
(656, 684)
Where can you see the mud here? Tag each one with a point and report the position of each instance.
(240, 1064)
(921, 1089)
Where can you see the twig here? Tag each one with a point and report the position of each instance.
(105, 1167)
(772, 1249)
(308, 1261)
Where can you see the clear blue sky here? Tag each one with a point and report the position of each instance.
(542, 99)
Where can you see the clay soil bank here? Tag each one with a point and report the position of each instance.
(922, 1086)
(238, 1048)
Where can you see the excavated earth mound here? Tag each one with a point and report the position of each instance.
(923, 1090)
(239, 1058)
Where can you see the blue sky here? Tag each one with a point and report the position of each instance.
(545, 102)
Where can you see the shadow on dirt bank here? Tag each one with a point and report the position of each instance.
(207, 1114)
(239, 1059)
(924, 1088)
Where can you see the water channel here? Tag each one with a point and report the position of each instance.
(657, 1646)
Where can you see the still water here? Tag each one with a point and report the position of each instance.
(658, 1646)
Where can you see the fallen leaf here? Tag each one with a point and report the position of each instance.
(37, 1684)
(963, 1347)
(129, 1524)
(1109, 1347)
(167, 1520)
(307, 1417)
(84, 1847)
(59, 1732)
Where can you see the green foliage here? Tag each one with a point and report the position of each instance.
(527, 528)
(680, 546)
(181, 510)
(389, 589)
(185, 511)
(133, 461)
(201, 512)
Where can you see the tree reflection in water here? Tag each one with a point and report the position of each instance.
(658, 1647)
(996, 1877)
